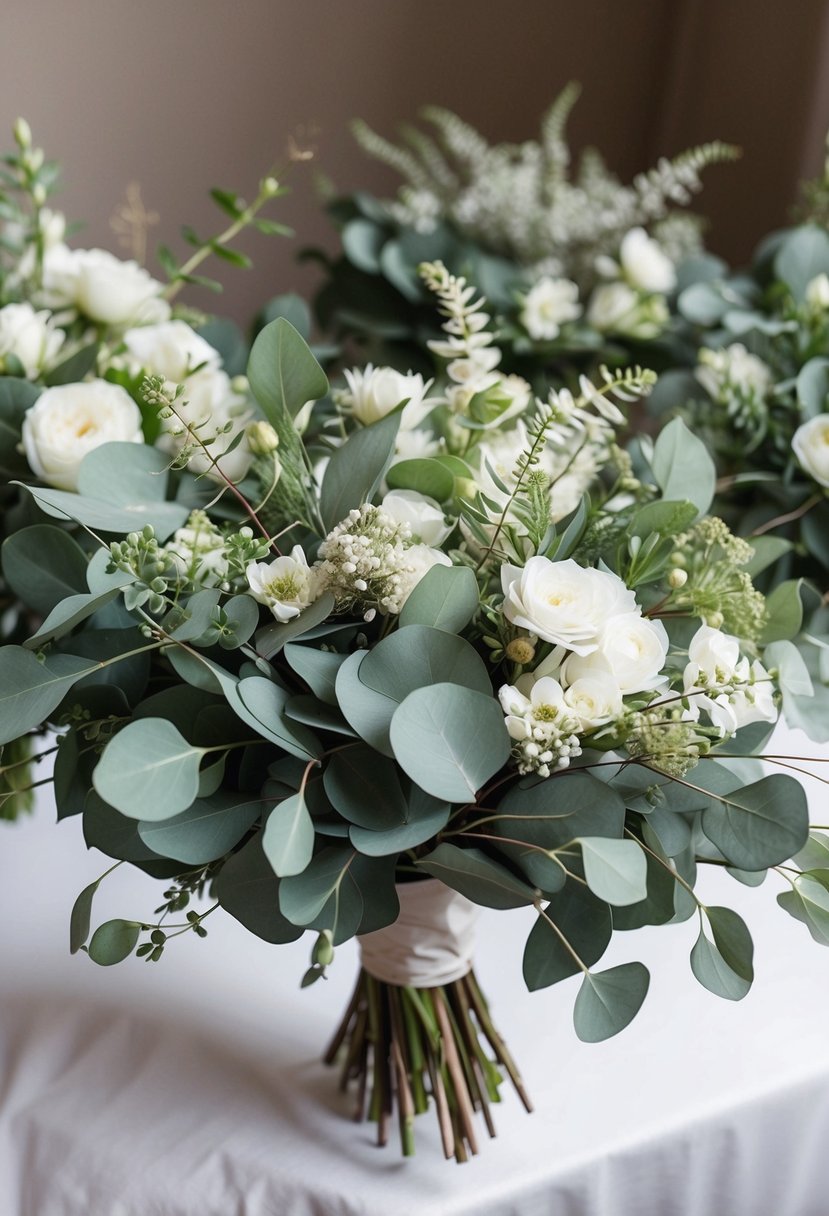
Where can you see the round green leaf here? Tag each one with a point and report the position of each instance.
(425, 475)
(615, 870)
(760, 825)
(445, 598)
(148, 771)
(477, 876)
(583, 920)
(205, 831)
(609, 1001)
(248, 889)
(43, 565)
(113, 941)
(417, 657)
(288, 836)
(450, 740)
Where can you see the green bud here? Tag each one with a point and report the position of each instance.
(269, 187)
(323, 951)
(22, 133)
(677, 578)
(262, 438)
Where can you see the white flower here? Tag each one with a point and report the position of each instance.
(541, 725)
(415, 445)
(594, 699)
(730, 690)
(373, 392)
(423, 515)
(644, 263)
(70, 420)
(631, 649)
(286, 585)
(563, 602)
(549, 305)
(170, 349)
(103, 287)
(817, 292)
(618, 308)
(811, 447)
(733, 369)
(209, 403)
(30, 337)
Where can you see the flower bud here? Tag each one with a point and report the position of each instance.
(262, 438)
(323, 952)
(520, 650)
(240, 384)
(714, 620)
(39, 194)
(465, 488)
(22, 133)
(269, 187)
(677, 578)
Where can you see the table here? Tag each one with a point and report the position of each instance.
(193, 1087)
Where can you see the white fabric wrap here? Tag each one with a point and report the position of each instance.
(432, 941)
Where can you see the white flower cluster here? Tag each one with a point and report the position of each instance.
(735, 378)
(724, 684)
(632, 301)
(541, 726)
(372, 559)
(518, 200)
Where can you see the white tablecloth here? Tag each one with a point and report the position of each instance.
(193, 1087)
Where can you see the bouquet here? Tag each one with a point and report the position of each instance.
(578, 269)
(355, 662)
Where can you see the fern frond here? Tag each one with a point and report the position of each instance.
(442, 177)
(554, 145)
(399, 159)
(467, 146)
(677, 180)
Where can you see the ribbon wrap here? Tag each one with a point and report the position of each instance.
(430, 944)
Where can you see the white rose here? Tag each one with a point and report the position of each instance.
(562, 602)
(373, 392)
(549, 305)
(108, 290)
(594, 699)
(419, 561)
(631, 649)
(286, 585)
(616, 307)
(811, 447)
(817, 292)
(30, 337)
(423, 515)
(645, 264)
(70, 420)
(171, 349)
(209, 402)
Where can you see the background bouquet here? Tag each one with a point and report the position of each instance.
(303, 653)
(578, 268)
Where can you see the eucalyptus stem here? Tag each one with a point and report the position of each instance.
(404, 1046)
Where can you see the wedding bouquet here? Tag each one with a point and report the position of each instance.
(355, 662)
(578, 269)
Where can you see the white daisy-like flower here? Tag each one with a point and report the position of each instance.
(287, 586)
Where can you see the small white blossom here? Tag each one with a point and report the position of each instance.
(724, 684)
(618, 308)
(542, 727)
(198, 549)
(811, 447)
(644, 264)
(286, 585)
(30, 337)
(817, 292)
(422, 514)
(732, 371)
(548, 305)
(373, 392)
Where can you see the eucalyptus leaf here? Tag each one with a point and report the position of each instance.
(208, 829)
(367, 711)
(608, 1001)
(113, 941)
(288, 836)
(683, 467)
(248, 889)
(283, 373)
(784, 612)
(803, 254)
(714, 973)
(30, 690)
(148, 771)
(760, 825)
(615, 870)
(419, 656)
(450, 740)
(445, 598)
(355, 470)
(426, 475)
(477, 877)
(318, 668)
(42, 565)
(581, 918)
(808, 902)
(271, 638)
(365, 789)
(79, 920)
(326, 895)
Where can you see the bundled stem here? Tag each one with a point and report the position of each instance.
(402, 1045)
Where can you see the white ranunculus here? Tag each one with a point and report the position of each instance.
(373, 392)
(562, 602)
(170, 349)
(618, 308)
(419, 561)
(817, 292)
(811, 447)
(30, 337)
(423, 515)
(103, 287)
(210, 402)
(594, 699)
(631, 649)
(70, 420)
(287, 586)
(547, 306)
(645, 264)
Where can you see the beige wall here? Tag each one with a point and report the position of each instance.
(182, 95)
